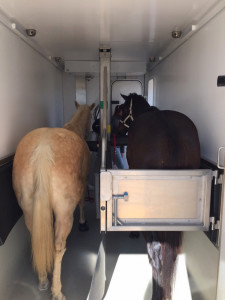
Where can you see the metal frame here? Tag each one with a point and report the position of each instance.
(163, 202)
(221, 265)
(110, 202)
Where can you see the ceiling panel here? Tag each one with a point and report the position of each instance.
(135, 30)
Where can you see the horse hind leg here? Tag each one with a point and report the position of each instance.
(82, 221)
(43, 282)
(56, 282)
(63, 226)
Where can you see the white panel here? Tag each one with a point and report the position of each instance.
(128, 67)
(81, 96)
(125, 87)
(31, 91)
(97, 288)
(93, 90)
(151, 99)
(187, 82)
(221, 267)
(82, 66)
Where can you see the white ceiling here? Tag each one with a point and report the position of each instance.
(134, 29)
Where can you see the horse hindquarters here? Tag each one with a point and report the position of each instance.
(162, 249)
(31, 185)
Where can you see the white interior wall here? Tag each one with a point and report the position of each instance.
(92, 86)
(92, 91)
(69, 96)
(186, 81)
(30, 97)
(31, 91)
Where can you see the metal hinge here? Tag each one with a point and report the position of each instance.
(218, 179)
(222, 167)
(214, 224)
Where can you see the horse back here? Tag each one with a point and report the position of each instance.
(163, 140)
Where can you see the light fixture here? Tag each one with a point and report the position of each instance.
(176, 34)
(31, 32)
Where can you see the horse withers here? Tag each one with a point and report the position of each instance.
(158, 139)
(50, 176)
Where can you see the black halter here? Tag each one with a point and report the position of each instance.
(130, 116)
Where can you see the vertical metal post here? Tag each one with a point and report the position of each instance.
(105, 107)
(221, 264)
(220, 291)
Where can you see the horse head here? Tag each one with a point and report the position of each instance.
(125, 114)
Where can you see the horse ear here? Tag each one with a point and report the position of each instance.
(92, 106)
(124, 97)
(76, 104)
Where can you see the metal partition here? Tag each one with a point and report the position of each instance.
(155, 200)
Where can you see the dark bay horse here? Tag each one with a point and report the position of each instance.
(158, 139)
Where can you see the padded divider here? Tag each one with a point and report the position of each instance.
(10, 211)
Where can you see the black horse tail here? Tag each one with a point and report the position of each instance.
(171, 246)
(163, 248)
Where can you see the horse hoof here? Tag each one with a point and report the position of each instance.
(44, 285)
(83, 227)
(59, 297)
(134, 235)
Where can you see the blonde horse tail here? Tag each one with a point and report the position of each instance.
(42, 235)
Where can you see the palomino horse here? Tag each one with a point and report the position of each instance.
(50, 173)
(158, 140)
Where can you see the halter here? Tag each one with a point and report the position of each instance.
(123, 122)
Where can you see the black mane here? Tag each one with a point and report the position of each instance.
(142, 103)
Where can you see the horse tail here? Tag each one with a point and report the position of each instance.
(171, 247)
(42, 234)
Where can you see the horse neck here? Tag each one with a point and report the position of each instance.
(141, 107)
(78, 123)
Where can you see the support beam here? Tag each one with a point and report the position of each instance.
(105, 105)
(123, 68)
(221, 263)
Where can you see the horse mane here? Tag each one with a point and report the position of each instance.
(79, 121)
(142, 103)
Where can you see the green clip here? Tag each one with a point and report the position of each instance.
(101, 104)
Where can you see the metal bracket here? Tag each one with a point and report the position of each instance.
(218, 158)
(115, 198)
(218, 178)
(214, 224)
